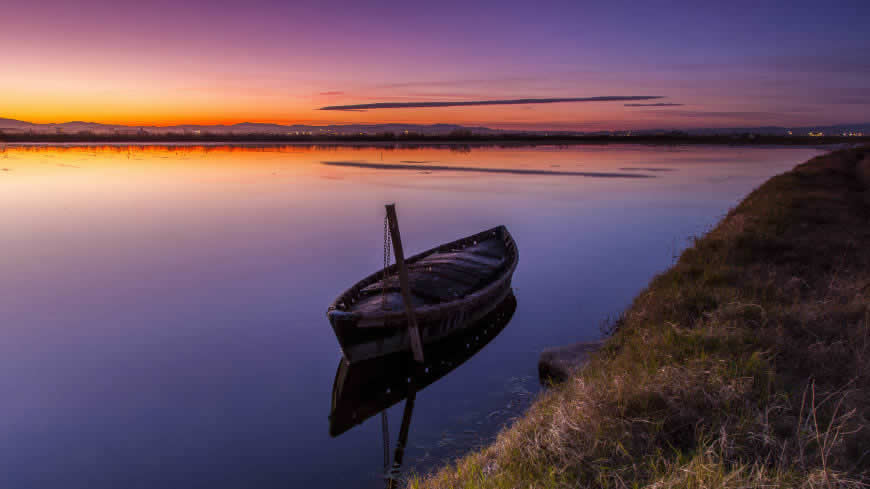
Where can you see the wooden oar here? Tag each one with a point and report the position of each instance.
(413, 331)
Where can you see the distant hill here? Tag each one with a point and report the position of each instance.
(15, 126)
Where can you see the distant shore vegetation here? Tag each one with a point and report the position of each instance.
(459, 136)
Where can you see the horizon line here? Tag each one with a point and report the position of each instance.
(433, 124)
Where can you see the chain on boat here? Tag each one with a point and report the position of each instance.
(387, 259)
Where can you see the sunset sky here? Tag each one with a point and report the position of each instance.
(168, 62)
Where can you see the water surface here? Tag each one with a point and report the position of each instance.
(162, 307)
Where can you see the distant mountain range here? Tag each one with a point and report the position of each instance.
(12, 126)
(18, 127)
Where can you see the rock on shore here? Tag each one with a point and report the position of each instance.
(558, 364)
(862, 171)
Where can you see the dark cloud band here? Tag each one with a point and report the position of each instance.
(512, 171)
(519, 101)
(660, 104)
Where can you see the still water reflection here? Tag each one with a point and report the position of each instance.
(162, 308)
(361, 390)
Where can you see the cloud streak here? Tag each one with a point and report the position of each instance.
(512, 171)
(467, 103)
(660, 104)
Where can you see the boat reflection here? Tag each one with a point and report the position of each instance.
(364, 389)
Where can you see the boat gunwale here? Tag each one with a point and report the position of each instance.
(433, 309)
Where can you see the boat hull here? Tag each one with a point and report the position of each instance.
(394, 340)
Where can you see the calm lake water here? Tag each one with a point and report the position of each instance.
(163, 307)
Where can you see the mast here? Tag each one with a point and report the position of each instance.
(413, 331)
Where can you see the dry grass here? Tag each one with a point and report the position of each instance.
(744, 365)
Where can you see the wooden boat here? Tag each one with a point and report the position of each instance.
(451, 286)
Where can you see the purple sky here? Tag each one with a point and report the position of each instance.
(729, 64)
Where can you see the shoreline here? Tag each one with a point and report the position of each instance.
(430, 141)
(745, 364)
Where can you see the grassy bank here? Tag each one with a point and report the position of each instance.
(744, 365)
